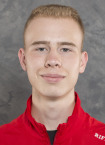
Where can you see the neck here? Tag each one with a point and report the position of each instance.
(52, 112)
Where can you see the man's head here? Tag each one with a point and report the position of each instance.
(56, 12)
(52, 56)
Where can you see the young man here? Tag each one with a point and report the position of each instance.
(53, 58)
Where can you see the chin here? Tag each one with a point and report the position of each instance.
(54, 93)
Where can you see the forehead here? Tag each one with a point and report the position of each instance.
(53, 29)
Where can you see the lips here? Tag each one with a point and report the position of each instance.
(52, 78)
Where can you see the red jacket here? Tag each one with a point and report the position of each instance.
(81, 129)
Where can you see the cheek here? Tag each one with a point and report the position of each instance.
(34, 63)
(71, 63)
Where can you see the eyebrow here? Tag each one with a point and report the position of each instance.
(40, 42)
(48, 42)
(67, 43)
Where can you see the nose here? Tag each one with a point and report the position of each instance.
(53, 60)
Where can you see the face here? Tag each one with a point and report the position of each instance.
(53, 57)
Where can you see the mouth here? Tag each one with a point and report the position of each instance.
(52, 78)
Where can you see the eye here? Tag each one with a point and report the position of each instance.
(65, 49)
(41, 49)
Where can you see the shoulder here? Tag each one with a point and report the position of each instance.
(96, 129)
(11, 127)
(94, 123)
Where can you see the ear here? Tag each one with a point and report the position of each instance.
(84, 60)
(21, 55)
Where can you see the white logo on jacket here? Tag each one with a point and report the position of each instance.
(101, 137)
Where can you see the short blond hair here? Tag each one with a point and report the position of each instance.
(55, 11)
